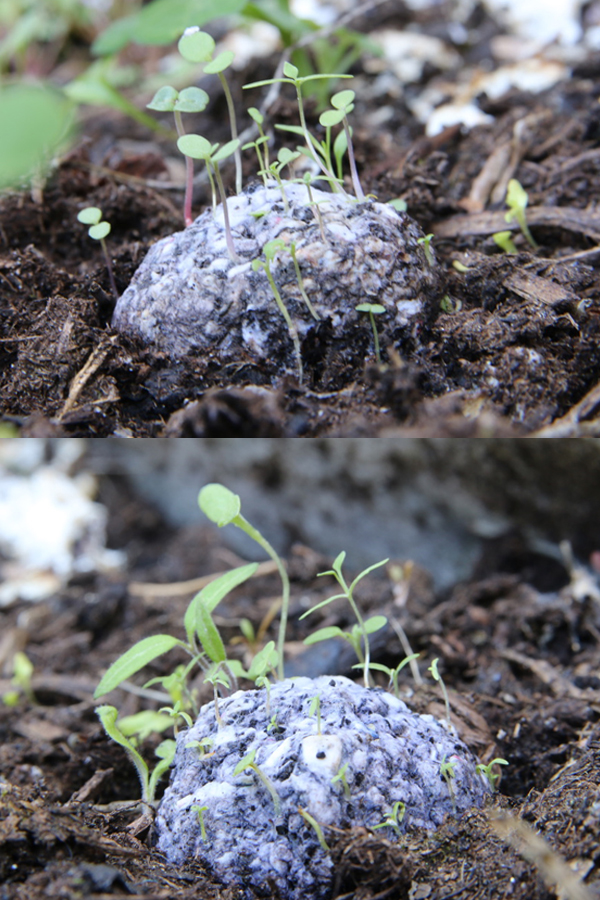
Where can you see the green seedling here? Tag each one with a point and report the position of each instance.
(198, 147)
(314, 824)
(189, 100)
(300, 280)
(203, 747)
(223, 507)
(315, 709)
(98, 230)
(488, 772)
(263, 141)
(248, 763)
(144, 723)
(341, 777)
(433, 668)
(398, 204)
(198, 47)
(449, 305)
(393, 818)
(447, 773)
(270, 250)
(200, 810)
(426, 243)
(273, 725)
(360, 633)
(503, 239)
(176, 713)
(393, 673)
(21, 679)
(516, 200)
(165, 751)
(343, 103)
(373, 309)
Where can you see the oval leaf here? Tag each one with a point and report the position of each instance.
(219, 503)
(99, 231)
(226, 150)
(91, 215)
(194, 145)
(192, 99)
(375, 623)
(331, 117)
(133, 660)
(324, 634)
(164, 99)
(196, 46)
(219, 63)
(343, 99)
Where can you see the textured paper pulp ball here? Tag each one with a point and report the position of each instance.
(392, 754)
(189, 296)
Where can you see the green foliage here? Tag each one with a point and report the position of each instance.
(21, 680)
(503, 239)
(373, 309)
(426, 242)
(393, 818)
(488, 772)
(270, 250)
(393, 673)
(314, 824)
(200, 810)
(516, 200)
(248, 763)
(341, 777)
(433, 668)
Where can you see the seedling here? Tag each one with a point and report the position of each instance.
(197, 147)
(165, 751)
(373, 309)
(433, 668)
(393, 818)
(315, 709)
(314, 824)
(426, 242)
(248, 763)
(447, 773)
(516, 200)
(393, 673)
(200, 810)
(222, 507)
(198, 46)
(503, 239)
(284, 158)
(203, 747)
(341, 776)
(270, 250)
(263, 158)
(343, 103)
(21, 679)
(491, 776)
(191, 99)
(311, 309)
(98, 230)
(360, 633)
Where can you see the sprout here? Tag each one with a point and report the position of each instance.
(373, 309)
(98, 230)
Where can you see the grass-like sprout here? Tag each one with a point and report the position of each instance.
(447, 773)
(315, 710)
(248, 763)
(341, 777)
(300, 280)
(189, 100)
(517, 199)
(343, 104)
(197, 147)
(98, 231)
(314, 824)
(198, 47)
(433, 668)
(393, 818)
(200, 810)
(393, 673)
(426, 244)
(270, 250)
(373, 309)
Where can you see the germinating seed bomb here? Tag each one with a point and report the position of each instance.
(190, 296)
(390, 754)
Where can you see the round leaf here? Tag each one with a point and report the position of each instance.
(217, 502)
(195, 146)
(195, 45)
(331, 117)
(192, 99)
(219, 63)
(133, 660)
(226, 150)
(164, 99)
(99, 231)
(91, 215)
(343, 99)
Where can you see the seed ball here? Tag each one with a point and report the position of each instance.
(390, 754)
(189, 296)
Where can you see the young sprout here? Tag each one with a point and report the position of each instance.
(284, 158)
(447, 773)
(248, 763)
(98, 230)
(315, 709)
(343, 104)
(258, 118)
(503, 239)
(516, 200)
(300, 280)
(198, 47)
(200, 810)
(393, 673)
(199, 148)
(314, 824)
(270, 250)
(433, 668)
(426, 242)
(360, 633)
(393, 818)
(373, 309)
(203, 747)
(341, 777)
(21, 679)
(189, 100)
(491, 776)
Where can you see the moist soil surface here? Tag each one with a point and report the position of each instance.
(512, 346)
(518, 649)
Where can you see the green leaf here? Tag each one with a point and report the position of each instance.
(219, 63)
(339, 562)
(108, 718)
(516, 195)
(362, 574)
(375, 623)
(195, 146)
(226, 150)
(343, 100)
(192, 99)
(331, 117)
(290, 71)
(116, 36)
(323, 602)
(272, 248)
(196, 46)
(211, 595)
(209, 636)
(378, 666)
(164, 99)
(144, 723)
(286, 156)
(245, 762)
(135, 659)
(220, 504)
(99, 231)
(264, 660)
(91, 215)
(324, 634)
(256, 115)
(374, 308)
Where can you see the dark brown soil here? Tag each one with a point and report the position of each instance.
(521, 667)
(514, 348)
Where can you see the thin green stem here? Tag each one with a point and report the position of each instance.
(234, 133)
(189, 174)
(228, 237)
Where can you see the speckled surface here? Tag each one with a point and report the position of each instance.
(188, 295)
(391, 754)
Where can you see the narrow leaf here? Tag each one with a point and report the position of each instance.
(366, 572)
(135, 659)
(323, 634)
(211, 595)
(322, 603)
(209, 635)
(375, 623)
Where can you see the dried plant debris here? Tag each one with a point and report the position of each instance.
(354, 757)
(189, 295)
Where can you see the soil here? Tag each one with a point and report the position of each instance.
(519, 651)
(512, 351)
